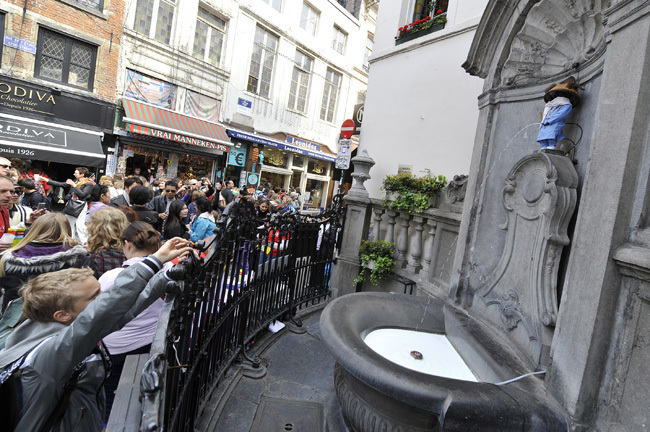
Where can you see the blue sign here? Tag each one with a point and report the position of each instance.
(253, 178)
(244, 106)
(23, 45)
(237, 156)
(280, 145)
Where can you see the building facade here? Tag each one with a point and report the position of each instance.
(57, 81)
(420, 99)
(253, 92)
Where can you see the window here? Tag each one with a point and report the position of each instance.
(309, 19)
(330, 94)
(97, 5)
(275, 4)
(424, 8)
(208, 37)
(2, 31)
(154, 18)
(261, 71)
(338, 40)
(300, 82)
(366, 55)
(65, 60)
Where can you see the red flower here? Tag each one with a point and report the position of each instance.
(439, 11)
(428, 18)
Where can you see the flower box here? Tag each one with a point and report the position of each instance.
(419, 33)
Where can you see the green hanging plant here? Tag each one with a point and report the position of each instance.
(380, 253)
(413, 193)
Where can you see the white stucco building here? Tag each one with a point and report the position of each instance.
(421, 108)
(277, 77)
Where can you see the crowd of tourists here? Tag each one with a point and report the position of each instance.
(83, 266)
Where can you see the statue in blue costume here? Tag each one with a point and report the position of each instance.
(560, 100)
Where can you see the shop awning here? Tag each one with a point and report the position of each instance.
(147, 119)
(39, 140)
(234, 133)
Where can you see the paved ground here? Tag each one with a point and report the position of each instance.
(297, 393)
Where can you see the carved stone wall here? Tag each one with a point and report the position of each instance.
(521, 293)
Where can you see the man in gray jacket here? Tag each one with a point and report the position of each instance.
(68, 317)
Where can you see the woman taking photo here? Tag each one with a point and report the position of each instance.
(174, 225)
(138, 241)
(104, 230)
(47, 247)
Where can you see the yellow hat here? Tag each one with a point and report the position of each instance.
(567, 88)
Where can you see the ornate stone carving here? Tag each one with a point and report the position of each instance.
(557, 36)
(457, 188)
(510, 308)
(539, 198)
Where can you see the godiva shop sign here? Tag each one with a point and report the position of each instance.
(23, 98)
(27, 99)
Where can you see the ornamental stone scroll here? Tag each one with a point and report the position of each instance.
(521, 293)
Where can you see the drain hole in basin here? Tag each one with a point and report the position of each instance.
(288, 427)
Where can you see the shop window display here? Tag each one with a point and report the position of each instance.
(318, 167)
(315, 193)
(275, 157)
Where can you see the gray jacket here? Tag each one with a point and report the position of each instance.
(48, 367)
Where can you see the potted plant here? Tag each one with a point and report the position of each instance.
(376, 256)
(405, 192)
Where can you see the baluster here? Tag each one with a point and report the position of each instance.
(403, 240)
(428, 248)
(416, 245)
(376, 225)
(390, 231)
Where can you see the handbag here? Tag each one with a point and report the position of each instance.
(74, 207)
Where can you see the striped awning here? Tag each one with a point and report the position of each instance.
(147, 119)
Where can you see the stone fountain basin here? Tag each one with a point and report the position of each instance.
(374, 391)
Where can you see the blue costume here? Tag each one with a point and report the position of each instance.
(554, 120)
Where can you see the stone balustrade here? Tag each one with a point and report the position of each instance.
(425, 243)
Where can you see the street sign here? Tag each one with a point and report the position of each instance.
(358, 117)
(344, 154)
(347, 128)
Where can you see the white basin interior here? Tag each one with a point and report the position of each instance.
(439, 357)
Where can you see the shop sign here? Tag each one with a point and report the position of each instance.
(358, 118)
(280, 146)
(252, 180)
(32, 134)
(302, 143)
(157, 133)
(25, 98)
(17, 96)
(244, 106)
(237, 156)
(23, 45)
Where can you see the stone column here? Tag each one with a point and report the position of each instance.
(402, 245)
(376, 226)
(416, 245)
(428, 249)
(390, 231)
(357, 222)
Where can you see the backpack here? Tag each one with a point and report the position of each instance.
(11, 394)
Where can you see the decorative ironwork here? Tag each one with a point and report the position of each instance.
(252, 271)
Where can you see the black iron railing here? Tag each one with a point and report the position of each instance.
(253, 271)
